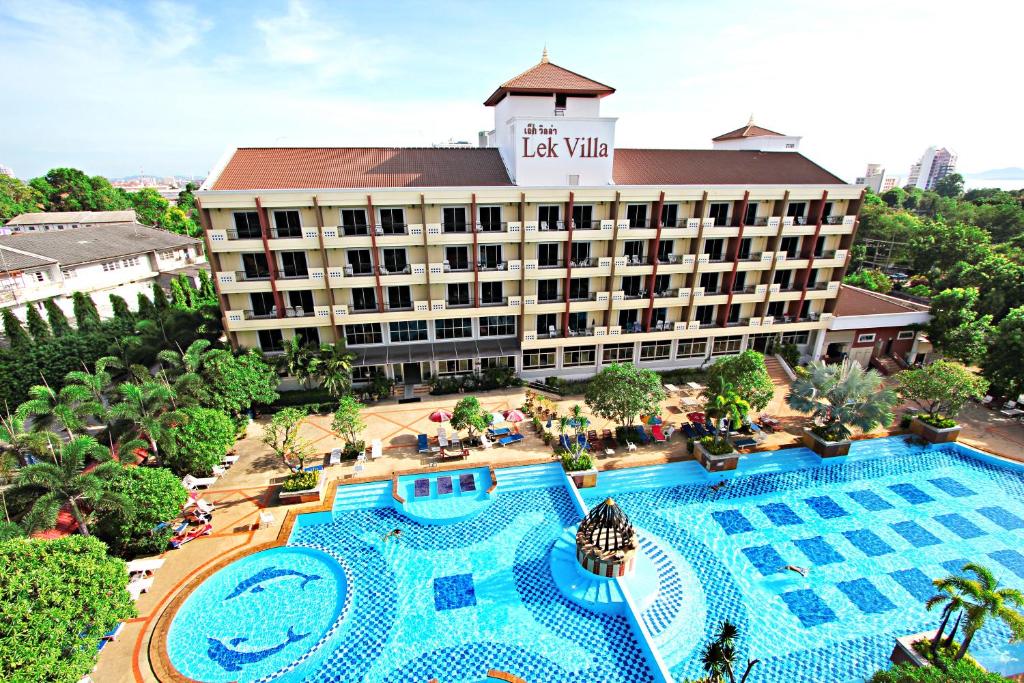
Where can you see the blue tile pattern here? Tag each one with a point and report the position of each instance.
(959, 525)
(453, 592)
(911, 494)
(865, 596)
(1002, 517)
(808, 607)
(825, 507)
(951, 487)
(870, 500)
(671, 598)
(818, 551)
(915, 582)
(1011, 559)
(766, 559)
(780, 514)
(916, 535)
(954, 566)
(868, 542)
(732, 521)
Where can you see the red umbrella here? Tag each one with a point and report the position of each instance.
(696, 417)
(514, 416)
(440, 416)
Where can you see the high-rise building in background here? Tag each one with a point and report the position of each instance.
(7, 171)
(876, 178)
(936, 163)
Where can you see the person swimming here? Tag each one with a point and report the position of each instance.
(397, 533)
(715, 487)
(802, 571)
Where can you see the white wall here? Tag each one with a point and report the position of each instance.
(762, 143)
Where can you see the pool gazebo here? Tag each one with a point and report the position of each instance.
(606, 541)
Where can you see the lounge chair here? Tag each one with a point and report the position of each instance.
(669, 431)
(485, 442)
(641, 435)
(181, 540)
(592, 436)
(218, 470)
(688, 431)
(607, 435)
(659, 436)
(145, 566)
(500, 432)
(582, 442)
(564, 442)
(744, 443)
(442, 438)
(510, 439)
(266, 519)
(230, 460)
(421, 488)
(193, 483)
(139, 586)
(199, 504)
(376, 450)
(987, 401)
(334, 458)
(467, 482)
(313, 468)
(444, 485)
(630, 446)
(422, 444)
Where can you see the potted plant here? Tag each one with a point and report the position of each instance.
(839, 397)
(301, 487)
(577, 462)
(348, 423)
(940, 390)
(725, 408)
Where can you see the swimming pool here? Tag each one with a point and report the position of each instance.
(458, 599)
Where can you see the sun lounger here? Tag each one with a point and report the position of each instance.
(987, 401)
(193, 483)
(442, 438)
(743, 443)
(444, 485)
(181, 540)
(701, 430)
(230, 460)
(669, 431)
(313, 468)
(688, 431)
(195, 501)
(485, 442)
(422, 444)
(140, 586)
(376, 450)
(510, 439)
(564, 442)
(582, 442)
(606, 434)
(659, 435)
(592, 435)
(502, 431)
(335, 457)
(421, 488)
(145, 566)
(467, 482)
(641, 435)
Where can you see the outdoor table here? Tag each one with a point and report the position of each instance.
(671, 388)
(695, 386)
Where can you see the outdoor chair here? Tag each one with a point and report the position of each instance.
(376, 450)
(422, 443)
(193, 483)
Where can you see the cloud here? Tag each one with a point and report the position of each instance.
(180, 27)
(312, 39)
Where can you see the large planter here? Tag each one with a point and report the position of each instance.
(312, 495)
(903, 652)
(584, 479)
(715, 463)
(934, 434)
(825, 449)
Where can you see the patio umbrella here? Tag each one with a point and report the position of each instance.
(651, 420)
(496, 418)
(440, 416)
(696, 417)
(514, 416)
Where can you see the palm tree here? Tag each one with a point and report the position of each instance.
(300, 361)
(841, 396)
(951, 601)
(725, 404)
(84, 492)
(22, 443)
(719, 656)
(185, 367)
(149, 406)
(92, 388)
(64, 409)
(336, 369)
(579, 420)
(983, 599)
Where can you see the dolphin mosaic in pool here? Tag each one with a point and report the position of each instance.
(256, 581)
(231, 659)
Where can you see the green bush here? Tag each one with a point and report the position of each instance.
(906, 419)
(716, 447)
(963, 671)
(492, 378)
(300, 481)
(790, 353)
(827, 433)
(572, 463)
(937, 421)
(57, 599)
(200, 441)
(304, 397)
(155, 495)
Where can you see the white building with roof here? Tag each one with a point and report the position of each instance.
(66, 220)
(111, 258)
(754, 137)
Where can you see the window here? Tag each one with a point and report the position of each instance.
(400, 298)
(458, 294)
(395, 260)
(38, 276)
(364, 373)
(491, 293)
(497, 362)
(308, 336)
(631, 285)
(669, 215)
(704, 314)
(661, 284)
(582, 216)
(578, 321)
(247, 225)
(579, 289)
(692, 348)
(812, 278)
(724, 345)
(453, 218)
(743, 252)
(456, 258)
(790, 245)
(68, 273)
(636, 214)
(665, 249)
(490, 256)
(364, 299)
(740, 281)
(392, 221)
(865, 338)
(659, 350)
(826, 211)
(498, 326)
(453, 328)
(659, 315)
(578, 356)
(797, 211)
(617, 353)
(750, 217)
(490, 218)
(797, 338)
(709, 281)
(263, 304)
(547, 290)
(463, 366)
(629, 320)
(579, 253)
(293, 264)
(713, 249)
(408, 331)
(734, 314)
(776, 309)
(301, 302)
(819, 247)
(537, 359)
(353, 222)
(547, 217)
(359, 261)
(365, 333)
(547, 255)
(719, 213)
(271, 341)
(905, 334)
(547, 323)
(781, 278)
(634, 251)
(287, 224)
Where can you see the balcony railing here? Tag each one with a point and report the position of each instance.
(501, 301)
(638, 294)
(636, 260)
(357, 230)
(243, 276)
(395, 269)
(585, 262)
(551, 225)
(492, 226)
(742, 322)
(398, 306)
(581, 331)
(455, 227)
(551, 333)
(556, 263)
(583, 296)
(245, 235)
(459, 303)
(552, 300)
(365, 307)
(290, 312)
(748, 289)
(752, 256)
(294, 275)
(286, 233)
(392, 229)
(666, 294)
(457, 267)
(828, 254)
(758, 222)
(493, 265)
(833, 220)
(586, 225)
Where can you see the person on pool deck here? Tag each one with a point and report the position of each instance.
(802, 571)
(397, 533)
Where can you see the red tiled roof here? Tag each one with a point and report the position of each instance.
(717, 167)
(747, 131)
(547, 77)
(857, 301)
(287, 168)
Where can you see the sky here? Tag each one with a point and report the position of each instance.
(165, 87)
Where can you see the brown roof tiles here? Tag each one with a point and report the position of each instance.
(857, 301)
(549, 78)
(747, 131)
(717, 167)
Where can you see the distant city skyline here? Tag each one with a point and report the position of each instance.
(172, 83)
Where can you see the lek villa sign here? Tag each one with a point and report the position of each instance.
(543, 141)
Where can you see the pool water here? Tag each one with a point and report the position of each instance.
(438, 507)
(873, 529)
(453, 600)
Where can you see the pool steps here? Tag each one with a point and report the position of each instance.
(596, 593)
(529, 477)
(362, 496)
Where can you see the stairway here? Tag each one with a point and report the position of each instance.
(886, 365)
(529, 477)
(597, 593)
(362, 496)
(775, 371)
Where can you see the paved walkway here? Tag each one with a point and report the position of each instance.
(248, 487)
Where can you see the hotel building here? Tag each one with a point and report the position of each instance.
(548, 249)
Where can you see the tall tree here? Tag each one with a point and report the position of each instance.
(747, 374)
(282, 435)
(68, 189)
(87, 316)
(120, 308)
(470, 415)
(956, 329)
(985, 600)
(17, 198)
(160, 301)
(49, 408)
(348, 421)
(942, 388)
(622, 392)
(951, 185)
(57, 318)
(149, 205)
(841, 396)
(149, 408)
(1002, 364)
(725, 408)
(146, 309)
(15, 333)
(335, 369)
(67, 483)
(37, 327)
(301, 361)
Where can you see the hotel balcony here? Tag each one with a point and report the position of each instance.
(233, 282)
(313, 278)
(841, 227)
(247, 319)
(681, 229)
